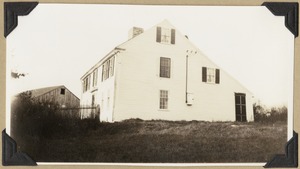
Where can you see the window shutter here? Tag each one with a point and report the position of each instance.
(160, 67)
(158, 34)
(217, 76)
(172, 36)
(107, 69)
(102, 77)
(83, 86)
(169, 67)
(89, 82)
(204, 74)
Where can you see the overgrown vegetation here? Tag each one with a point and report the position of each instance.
(34, 122)
(272, 115)
(47, 137)
(165, 141)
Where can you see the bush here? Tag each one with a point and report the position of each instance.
(275, 114)
(33, 118)
(45, 119)
(34, 122)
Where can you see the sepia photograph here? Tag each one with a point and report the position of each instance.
(150, 84)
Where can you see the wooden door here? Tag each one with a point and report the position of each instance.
(240, 107)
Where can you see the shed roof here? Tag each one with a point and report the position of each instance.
(41, 91)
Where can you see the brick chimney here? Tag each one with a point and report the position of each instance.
(135, 31)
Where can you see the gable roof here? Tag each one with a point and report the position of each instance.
(41, 91)
(165, 22)
(119, 48)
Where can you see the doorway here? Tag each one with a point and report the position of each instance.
(240, 107)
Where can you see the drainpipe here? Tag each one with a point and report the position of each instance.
(186, 72)
(186, 76)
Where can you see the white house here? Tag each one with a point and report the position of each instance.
(160, 74)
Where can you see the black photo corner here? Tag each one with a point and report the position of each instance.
(10, 155)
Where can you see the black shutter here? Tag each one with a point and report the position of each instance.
(158, 34)
(160, 67)
(172, 36)
(203, 74)
(102, 77)
(107, 69)
(217, 76)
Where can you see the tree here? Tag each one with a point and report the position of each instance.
(17, 75)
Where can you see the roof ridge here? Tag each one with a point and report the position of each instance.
(118, 48)
(40, 91)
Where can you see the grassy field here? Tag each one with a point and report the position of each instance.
(163, 141)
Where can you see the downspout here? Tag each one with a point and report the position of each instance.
(186, 76)
(187, 73)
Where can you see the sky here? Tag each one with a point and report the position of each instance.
(57, 43)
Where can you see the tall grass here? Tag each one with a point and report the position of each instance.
(46, 136)
(139, 141)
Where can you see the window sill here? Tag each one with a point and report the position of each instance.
(165, 43)
(167, 110)
(211, 83)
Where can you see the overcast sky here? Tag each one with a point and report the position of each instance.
(56, 44)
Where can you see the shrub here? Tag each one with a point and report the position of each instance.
(275, 114)
(34, 122)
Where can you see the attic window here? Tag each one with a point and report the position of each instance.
(165, 35)
(62, 91)
(210, 75)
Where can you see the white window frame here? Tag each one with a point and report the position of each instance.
(86, 83)
(165, 35)
(165, 69)
(95, 77)
(108, 68)
(111, 66)
(210, 75)
(163, 99)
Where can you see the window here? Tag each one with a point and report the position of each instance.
(86, 83)
(62, 91)
(111, 66)
(165, 35)
(108, 68)
(105, 69)
(95, 77)
(163, 99)
(210, 75)
(165, 66)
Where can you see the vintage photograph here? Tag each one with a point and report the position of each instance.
(95, 83)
